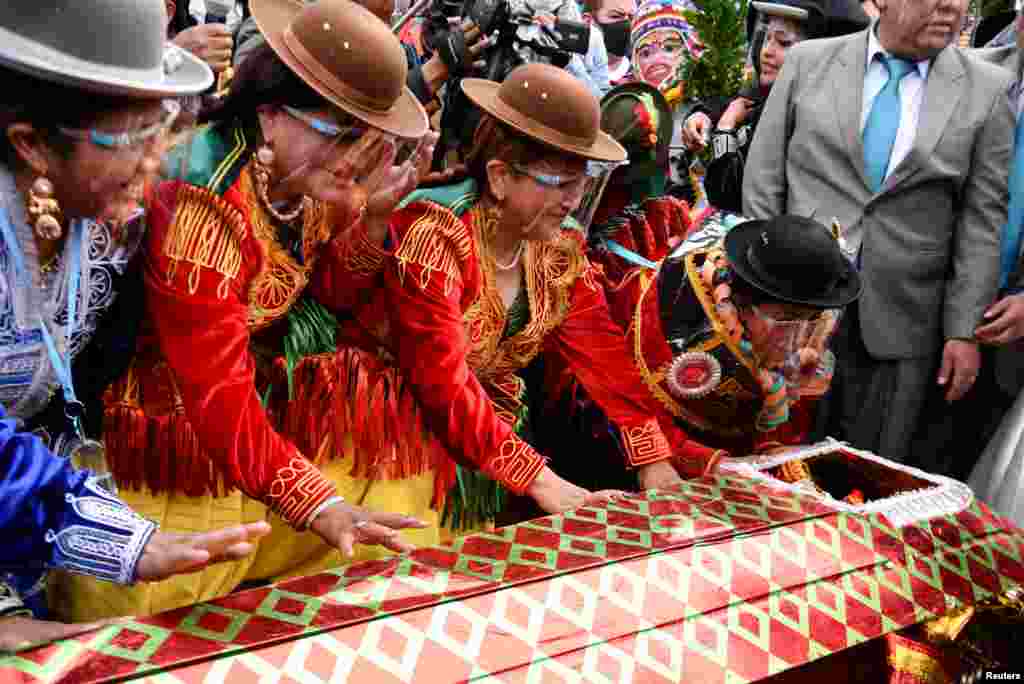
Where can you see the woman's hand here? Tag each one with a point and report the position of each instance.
(370, 166)
(555, 495)
(658, 475)
(169, 554)
(696, 131)
(22, 633)
(736, 114)
(343, 526)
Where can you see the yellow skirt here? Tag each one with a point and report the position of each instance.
(282, 554)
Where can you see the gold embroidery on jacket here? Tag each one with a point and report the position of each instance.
(206, 232)
(551, 270)
(281, 279)
(437, 241)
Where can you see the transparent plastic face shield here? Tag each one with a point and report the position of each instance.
(360, 157)
(797, 346)
(597, 176)
(783, 31)
(122, 163)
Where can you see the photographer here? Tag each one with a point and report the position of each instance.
(457, 55)
(546, 32)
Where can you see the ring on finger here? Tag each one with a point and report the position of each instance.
(360, 524)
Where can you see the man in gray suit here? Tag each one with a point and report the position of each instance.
(906, 141)
(954, 435)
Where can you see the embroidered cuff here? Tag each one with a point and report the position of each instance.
(645, 444)
(516, 465)
(297, 491)
(102, 537)
(10, 603)
(362, 255)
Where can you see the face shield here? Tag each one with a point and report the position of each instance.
(766, 18)
(598, 175)
(796, 347)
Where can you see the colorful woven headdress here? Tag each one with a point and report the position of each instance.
(662, 14)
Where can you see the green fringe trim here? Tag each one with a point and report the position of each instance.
(472, 501)
(476, 499)
(311, 331)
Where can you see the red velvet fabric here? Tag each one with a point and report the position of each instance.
(205, 339)
(425, 318)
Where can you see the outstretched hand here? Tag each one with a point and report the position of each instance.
(23, 633)
(697, 131)
(343, 526)
(555, 495)
(659, 475)
(169, 554)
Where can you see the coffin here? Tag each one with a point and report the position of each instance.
(733, 578)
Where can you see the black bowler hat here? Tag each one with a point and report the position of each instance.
(795, 260)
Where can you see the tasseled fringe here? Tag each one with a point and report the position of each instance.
(348, 398)
(126, 441)
(158, 453)
(355, 397)
(161, 454)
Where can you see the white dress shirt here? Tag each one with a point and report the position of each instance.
(911, 98)
(197, 8)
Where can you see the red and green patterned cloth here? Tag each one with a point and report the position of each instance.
(721, 580)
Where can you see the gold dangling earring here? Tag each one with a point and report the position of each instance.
(263, 163)
(44, 210)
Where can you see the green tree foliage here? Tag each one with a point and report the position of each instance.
(721, 26)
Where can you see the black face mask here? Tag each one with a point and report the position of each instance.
(616, 37)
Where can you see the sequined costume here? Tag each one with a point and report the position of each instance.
(696, 363)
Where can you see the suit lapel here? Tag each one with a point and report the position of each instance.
(941, 96)
(848, 89)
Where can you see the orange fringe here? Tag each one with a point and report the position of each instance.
(355, 395)
(351, 397)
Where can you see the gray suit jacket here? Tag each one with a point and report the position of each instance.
(930, 248)
(1008, 359)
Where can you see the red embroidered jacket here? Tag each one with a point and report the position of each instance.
(188, 417)
(644, 301)
(436, 330)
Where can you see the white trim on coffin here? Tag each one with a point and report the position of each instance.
(947, 497)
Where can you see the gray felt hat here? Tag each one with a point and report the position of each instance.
(116, 47)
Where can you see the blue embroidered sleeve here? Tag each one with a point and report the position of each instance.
(52, 516)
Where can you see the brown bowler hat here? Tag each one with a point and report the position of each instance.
(549, 105)
(347, 55)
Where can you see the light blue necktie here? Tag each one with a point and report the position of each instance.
(1015, 214)
(884, 122)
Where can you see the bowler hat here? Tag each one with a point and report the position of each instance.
(549, 105)
(793, 259)
(349, 56)
(116, 47)
(821, 18)
(637, 116)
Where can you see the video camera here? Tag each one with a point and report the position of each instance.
(519, 39)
